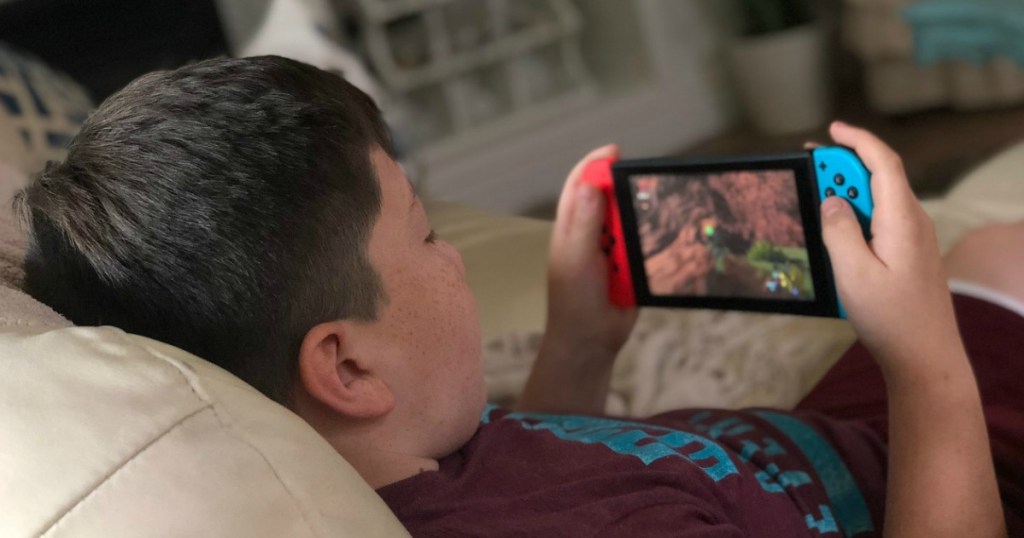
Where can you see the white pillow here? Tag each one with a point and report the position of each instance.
(108, 434)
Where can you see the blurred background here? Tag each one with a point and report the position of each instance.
(492, 101)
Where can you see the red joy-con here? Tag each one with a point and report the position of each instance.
(620, 285)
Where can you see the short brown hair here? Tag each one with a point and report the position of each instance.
(224, 208)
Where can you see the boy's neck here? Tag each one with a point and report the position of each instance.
(372, 448)
(386, 468)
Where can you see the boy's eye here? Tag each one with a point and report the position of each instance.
(432, 237)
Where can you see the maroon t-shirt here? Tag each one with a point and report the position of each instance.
(816, 471)
(687, 473)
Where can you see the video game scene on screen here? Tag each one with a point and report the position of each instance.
(732, 234)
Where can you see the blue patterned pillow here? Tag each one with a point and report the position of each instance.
(40, 111)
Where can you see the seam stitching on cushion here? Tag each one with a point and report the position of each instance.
(300, 508)
(118, 469)
(211, 404)
(232, 431)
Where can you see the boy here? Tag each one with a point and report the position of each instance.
(249, 211)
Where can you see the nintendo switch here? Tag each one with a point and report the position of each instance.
(736, 234)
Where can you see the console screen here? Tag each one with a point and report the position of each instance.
(735, 234)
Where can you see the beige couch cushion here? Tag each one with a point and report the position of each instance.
(107, 434)
(993, 192)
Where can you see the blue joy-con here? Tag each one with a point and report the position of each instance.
(840, 173)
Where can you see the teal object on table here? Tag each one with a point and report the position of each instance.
(976, 31)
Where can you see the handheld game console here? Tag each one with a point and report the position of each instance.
(737, 234)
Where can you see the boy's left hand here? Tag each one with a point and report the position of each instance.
(580, 314)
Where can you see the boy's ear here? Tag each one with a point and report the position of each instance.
(337, 378)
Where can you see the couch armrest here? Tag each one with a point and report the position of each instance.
(991, 193)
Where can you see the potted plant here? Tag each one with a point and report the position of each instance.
(779, 66)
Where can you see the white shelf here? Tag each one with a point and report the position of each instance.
(403, 80)
(465, 65)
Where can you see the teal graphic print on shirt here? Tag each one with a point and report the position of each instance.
(851, 510)
(644, 442)
(846, 513)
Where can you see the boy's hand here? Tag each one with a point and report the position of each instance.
(585, 330)
(941, 480)
(580, 314)
(893, 289)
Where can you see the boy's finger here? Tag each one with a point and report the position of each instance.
(603, 152)
(847, 249)
(582, 228)
(564, 209)
(888, 179)
(875, 153)
(588, 217)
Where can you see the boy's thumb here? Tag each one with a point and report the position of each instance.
(843, 237)
(588, 215)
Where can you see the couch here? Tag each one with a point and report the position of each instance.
(921, 54)
(104, 433)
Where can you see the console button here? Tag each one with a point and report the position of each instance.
(839, 179)
(823, 167)
(830, 192)
(852, 192)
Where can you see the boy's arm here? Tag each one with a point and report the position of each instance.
(941, 477)
(584, 330)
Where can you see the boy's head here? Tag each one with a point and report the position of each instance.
(249, 211)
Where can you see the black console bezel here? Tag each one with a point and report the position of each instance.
(825, 303)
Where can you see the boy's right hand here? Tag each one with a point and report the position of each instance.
(894, 289)
(941, 480)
